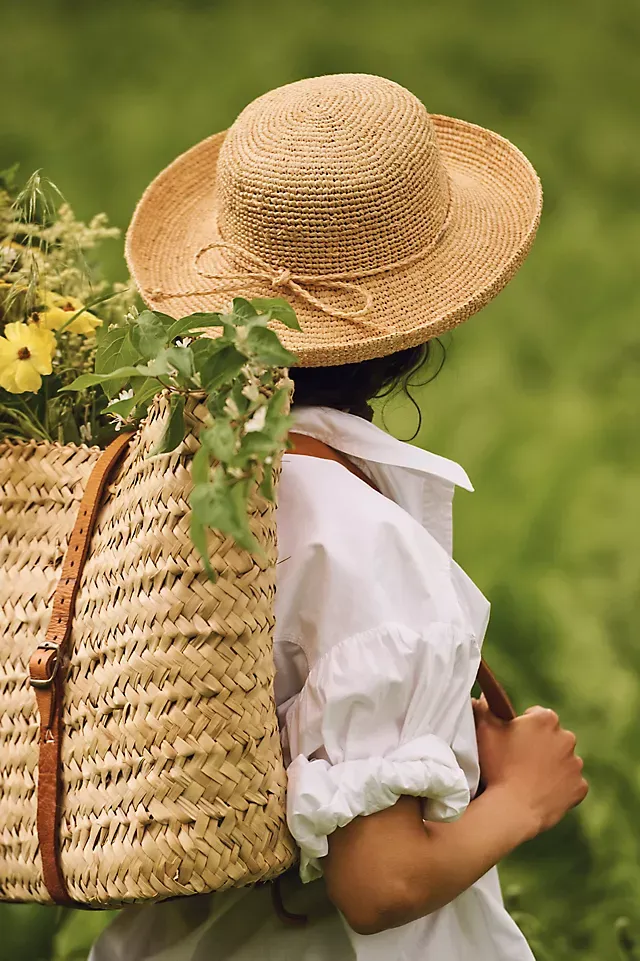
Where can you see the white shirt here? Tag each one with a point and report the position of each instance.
(377, 644)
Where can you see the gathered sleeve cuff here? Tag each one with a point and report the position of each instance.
(374, 721)
(322, 797)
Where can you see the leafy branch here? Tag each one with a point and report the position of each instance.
(242, 375)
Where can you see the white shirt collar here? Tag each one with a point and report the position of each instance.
(356, 436)
(421, 482)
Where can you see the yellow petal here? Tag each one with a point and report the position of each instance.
(53, 318)
(15, 332)
(85, 324)
(8, 378)
(51, 299)
(27, 377)
(41, 362)
(8, 351)
(39, 338)
(41, 345)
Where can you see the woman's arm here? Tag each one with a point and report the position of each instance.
(390, 868)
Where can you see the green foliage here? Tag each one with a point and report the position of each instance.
(240, 373)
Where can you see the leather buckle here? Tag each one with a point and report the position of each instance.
(43, 682)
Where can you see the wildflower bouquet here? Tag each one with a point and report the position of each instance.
(52, 302)
(78, 361)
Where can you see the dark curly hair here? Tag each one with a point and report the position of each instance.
(350, 387)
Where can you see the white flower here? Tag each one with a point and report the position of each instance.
(8, 255)
(123, 395)
(85, 432)
(251, 391)
(184, 342)
(256, 422)
(231, 407)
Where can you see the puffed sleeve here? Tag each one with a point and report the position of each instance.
(381, 705)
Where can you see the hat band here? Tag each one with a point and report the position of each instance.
(299, 284)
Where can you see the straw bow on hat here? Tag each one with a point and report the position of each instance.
(382, 224)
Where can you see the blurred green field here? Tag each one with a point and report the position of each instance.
(539, 398)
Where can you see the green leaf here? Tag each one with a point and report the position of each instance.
(216, 506)
(278, 403)
(243, 309)
(156, 367)
(199, 538)
(267, 349)
(70, 432)
(174, 432)
(191, 324)
(186, 325)
(257, 444)
(221, 367)
(220, 440)
(200, 466)
(166, 321)
(266, 484)
(88, 380)
(278, 309)
(115, 350)
(182, 359)
(148, 334)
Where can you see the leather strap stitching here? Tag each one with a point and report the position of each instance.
(47, 667)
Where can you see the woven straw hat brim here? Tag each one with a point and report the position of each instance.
(496, 201)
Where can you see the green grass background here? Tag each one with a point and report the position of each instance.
(539, 397)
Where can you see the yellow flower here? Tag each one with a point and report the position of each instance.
(26, 352)
(58, 310)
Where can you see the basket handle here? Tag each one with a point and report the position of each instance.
(497, 697)
(47, 667)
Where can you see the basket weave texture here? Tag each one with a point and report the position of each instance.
(172, 775)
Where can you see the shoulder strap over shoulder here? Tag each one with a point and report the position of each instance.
(497, 697)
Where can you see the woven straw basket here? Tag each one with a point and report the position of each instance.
(172, 779)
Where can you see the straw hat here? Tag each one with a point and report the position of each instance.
(382, 224)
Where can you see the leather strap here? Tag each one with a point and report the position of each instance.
(47, 668)
(497, 697)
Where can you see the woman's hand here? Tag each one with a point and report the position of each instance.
(390, 868)
(532, 758)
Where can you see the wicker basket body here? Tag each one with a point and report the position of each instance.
(172, 774)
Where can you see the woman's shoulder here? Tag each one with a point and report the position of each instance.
(338, 534)
(322, 500)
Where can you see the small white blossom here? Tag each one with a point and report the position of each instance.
(236, 472)
(123, 395)
(256, 422)
(8, 255)
(184, 342)
(231, 407)
(85, 432)
(251, 391)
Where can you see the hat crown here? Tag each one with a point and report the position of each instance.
(335, 174)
